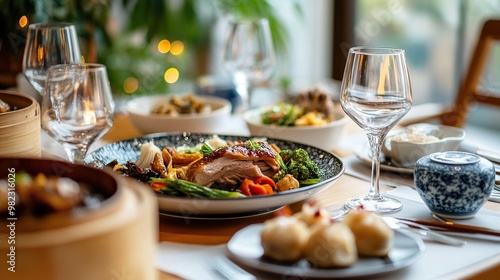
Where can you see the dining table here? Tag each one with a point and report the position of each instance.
(182, 241)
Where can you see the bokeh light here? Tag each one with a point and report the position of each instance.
(177, 47)
(164, 46)
(171, 75)
(130, 85)
(23, 21)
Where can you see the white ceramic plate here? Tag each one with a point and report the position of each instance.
(128, 150)
(245, 248)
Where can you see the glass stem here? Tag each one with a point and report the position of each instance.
(375, 141)
(245, 92)
(75, 153)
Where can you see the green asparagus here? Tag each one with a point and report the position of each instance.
(179, 187)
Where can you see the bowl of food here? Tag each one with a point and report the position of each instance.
(74, 222)
(406, 146)
(311, 120)
(188, 113)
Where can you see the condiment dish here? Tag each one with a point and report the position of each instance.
(406, 146)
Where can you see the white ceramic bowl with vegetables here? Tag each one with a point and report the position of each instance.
(314, 131)
(176, 113)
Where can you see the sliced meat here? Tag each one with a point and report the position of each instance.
(234, 163)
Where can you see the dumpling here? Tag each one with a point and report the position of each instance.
(373, 236)
(331, 245)
(284, 238)
(313, 215)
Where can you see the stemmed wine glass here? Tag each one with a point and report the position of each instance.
(48, 44)
(248, 55)
(376, 94)
(77, 106)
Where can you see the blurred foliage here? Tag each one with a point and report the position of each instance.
(127, 42)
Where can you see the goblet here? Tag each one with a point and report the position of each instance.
(248, 55)
(376, 94)
(48, 44)
(77, 106)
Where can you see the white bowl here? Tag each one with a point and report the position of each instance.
(326, 136)
(406, 153)
(139, 110)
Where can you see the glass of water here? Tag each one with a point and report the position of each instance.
(376, 94)
(48, 44)
(77, 106)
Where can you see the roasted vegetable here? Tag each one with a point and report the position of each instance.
(281, 114)
(258, 186)
(147, 156)
(300, 166)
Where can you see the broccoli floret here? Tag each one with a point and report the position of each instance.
(299, 165)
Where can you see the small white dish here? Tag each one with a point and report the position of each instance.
(405, 153)
(326, 136)
(139, 111)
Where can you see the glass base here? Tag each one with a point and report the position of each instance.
(382, 205)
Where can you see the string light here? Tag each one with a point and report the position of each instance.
(23, 21)
(164, 46)
(171, 75)
(177, 47)
(130, 85)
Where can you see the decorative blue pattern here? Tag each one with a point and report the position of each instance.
(454, 184)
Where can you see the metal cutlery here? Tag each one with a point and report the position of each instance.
(423, 231)
(451, 227)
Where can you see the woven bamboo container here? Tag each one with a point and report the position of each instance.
(20, 128)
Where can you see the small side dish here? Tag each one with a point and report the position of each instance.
(178, 105)
(217, 168)
(312, 119)
(406, 146)
(311, 235)
(311, 108)
(178, 113)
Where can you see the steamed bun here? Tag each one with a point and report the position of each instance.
(313, 215)
(284, 238)
(331, 246)
(373, 236)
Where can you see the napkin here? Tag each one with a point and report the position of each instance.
(189, 261)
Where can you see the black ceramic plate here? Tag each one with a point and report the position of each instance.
(128, 150)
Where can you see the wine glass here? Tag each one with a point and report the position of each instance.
(376, 94)
(48, 44)
(77, 106)
(248, 55)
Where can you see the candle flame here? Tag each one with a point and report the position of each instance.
(88, 113)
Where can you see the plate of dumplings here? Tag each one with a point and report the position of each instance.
(310, 244)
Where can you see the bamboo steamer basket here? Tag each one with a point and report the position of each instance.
(117, 239)
(20, 128)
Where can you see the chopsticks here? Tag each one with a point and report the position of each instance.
(454, 227)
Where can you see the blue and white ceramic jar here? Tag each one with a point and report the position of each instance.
(454, 184)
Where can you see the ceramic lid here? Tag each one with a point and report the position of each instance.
(455, 157)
